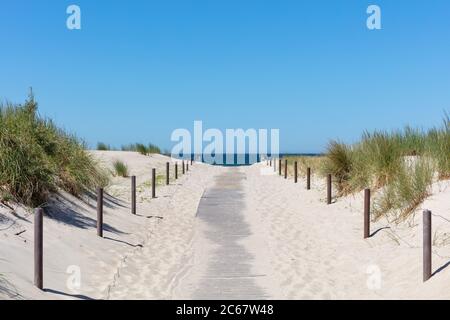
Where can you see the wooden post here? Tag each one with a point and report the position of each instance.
(270, 162)
(167, 173)
(187, 167)
(308, 179)
(279, 167)
(100, 212)
(39, 248)
(366, 213)
(133, 194)
(176, 170)
(153, 183)
(427, 263)
(329, 189)
(285, 168)
(295, 172)
(183, 169)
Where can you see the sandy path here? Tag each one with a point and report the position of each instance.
(226, 261)
(149, 273)
(317, 251)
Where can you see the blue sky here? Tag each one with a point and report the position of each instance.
(139, 69)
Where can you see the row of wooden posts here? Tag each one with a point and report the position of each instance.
(39, 214)
(427, 224)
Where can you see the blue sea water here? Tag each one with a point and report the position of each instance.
(234, 160)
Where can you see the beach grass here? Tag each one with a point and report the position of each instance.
(103, 146)
(408, 189)
(141, 148)
(401, 165)
(37, 157)
(120, 169)
(303, 163)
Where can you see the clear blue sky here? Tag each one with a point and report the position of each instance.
(139, 69)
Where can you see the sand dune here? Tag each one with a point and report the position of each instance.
(255, 235)
(318, 251)
(70, 237)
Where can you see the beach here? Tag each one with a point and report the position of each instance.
(221, 233)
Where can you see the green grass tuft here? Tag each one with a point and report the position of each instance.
(120, 169)
(401, 164)
(103, 146)
(37, 158)
(141, 148)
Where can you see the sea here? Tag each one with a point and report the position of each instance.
(234, 160)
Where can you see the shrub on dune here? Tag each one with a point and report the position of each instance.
(382, 154)
(37, 158)
(339, 162)
(120, 169)
(103, 147)
(304, 162)
(152, 149)
(410, 187)
(438, 148)
(400, 164)
(142, 149)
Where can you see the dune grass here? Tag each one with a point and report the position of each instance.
(400, 164)
(103, 146)
(120, 169)
(37, 157)
(142, 149)
(408, 189)
(304, 162)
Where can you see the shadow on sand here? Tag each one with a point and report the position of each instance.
(66, 211)
(373, 234)
(124, 242)
(441, 268)
(7, 289)
(76, 296)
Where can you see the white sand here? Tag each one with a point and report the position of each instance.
(297, 246)
(317, 251)
(70, 234)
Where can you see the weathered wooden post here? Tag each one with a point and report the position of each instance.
(167, 173)
(39, 248)
(270, 162)
(366, 213)
(279, 167)
(153, 183)
(308, 179)
(100, 212)
(133, 194)
(427, 263)
(187, 167)
(329, 189)
(183, 170)
(295, 172)
(176, 170)
(285, 168)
